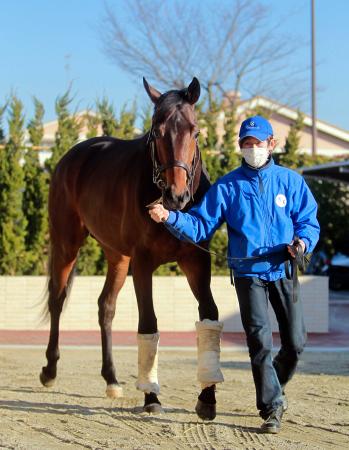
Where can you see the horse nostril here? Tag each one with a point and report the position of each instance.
(184, 198)
(177, 200)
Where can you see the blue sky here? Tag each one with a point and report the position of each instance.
(39, 38)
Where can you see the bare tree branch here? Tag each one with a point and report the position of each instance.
(228, 45)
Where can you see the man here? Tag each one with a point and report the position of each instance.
(265, 207)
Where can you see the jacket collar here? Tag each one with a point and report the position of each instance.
(252, 172)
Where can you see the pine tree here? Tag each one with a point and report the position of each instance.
(12, 220)
(219, 245)
(168, 269)
(67, 133)
(35, 197)
(208, 140)
(92, 121)
(230, 156)
(107, 117)
(291, 157)
(2, 132)
(146, 119)
(89, 256)
(333, 214)
(126, 124)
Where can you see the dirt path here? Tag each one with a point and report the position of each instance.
(75, 414)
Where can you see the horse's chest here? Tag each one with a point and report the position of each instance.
(161, 244)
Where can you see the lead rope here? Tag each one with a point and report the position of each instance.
(186, 238)
(292, 274)
(295, 263)
(292, 265)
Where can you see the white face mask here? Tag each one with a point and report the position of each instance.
(255, 156)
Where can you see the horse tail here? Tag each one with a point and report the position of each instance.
(67, 234)
(50, 293)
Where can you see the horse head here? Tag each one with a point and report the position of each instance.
(173, 141)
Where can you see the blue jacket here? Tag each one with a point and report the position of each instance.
(263, 208)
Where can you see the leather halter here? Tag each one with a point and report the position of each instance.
(159, 168)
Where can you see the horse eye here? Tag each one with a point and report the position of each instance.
(156, 133)
(196, 134)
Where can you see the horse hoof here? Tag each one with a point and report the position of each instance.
(45, 380)
(153, 408)
(152, 404)
(114, 391)
(206, 411)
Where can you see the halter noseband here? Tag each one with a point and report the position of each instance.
(159, 168)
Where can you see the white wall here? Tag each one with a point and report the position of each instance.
(175, 305)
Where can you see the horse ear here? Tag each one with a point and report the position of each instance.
(152, 92)
(193, 91)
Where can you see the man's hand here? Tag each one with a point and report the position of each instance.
(291, 247)
(159, 213)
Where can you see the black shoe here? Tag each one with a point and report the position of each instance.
(284, 402)
(273, 423)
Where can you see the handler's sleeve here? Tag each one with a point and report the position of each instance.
(202, 220)
(306, 225)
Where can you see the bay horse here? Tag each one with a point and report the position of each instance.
(101, 187)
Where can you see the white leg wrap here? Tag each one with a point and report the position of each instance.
(208, 343)
(148, 363)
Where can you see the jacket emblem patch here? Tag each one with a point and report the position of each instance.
(280, 200)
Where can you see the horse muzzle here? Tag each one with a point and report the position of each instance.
(174, 201)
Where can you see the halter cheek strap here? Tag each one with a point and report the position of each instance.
(159, 168)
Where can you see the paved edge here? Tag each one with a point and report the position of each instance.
(237, 348)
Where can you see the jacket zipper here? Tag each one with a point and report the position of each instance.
(264, 210)
(260, 184)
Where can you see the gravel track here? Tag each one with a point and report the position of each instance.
(75, 413)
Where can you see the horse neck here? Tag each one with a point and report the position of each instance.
(147, 188)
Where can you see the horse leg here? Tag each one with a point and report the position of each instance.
(116, 275)
(148, 335)
(62, 260)
(197, 267)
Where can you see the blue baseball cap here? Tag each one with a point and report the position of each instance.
(257, 127)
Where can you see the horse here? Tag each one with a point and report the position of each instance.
(101, 187)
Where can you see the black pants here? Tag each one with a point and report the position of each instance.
(270, 376)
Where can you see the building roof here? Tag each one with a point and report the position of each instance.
(336, 171)
(291, 113)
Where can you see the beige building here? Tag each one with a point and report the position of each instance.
(50, 130)
(332, 141)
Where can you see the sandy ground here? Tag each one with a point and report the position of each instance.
(75, 413)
